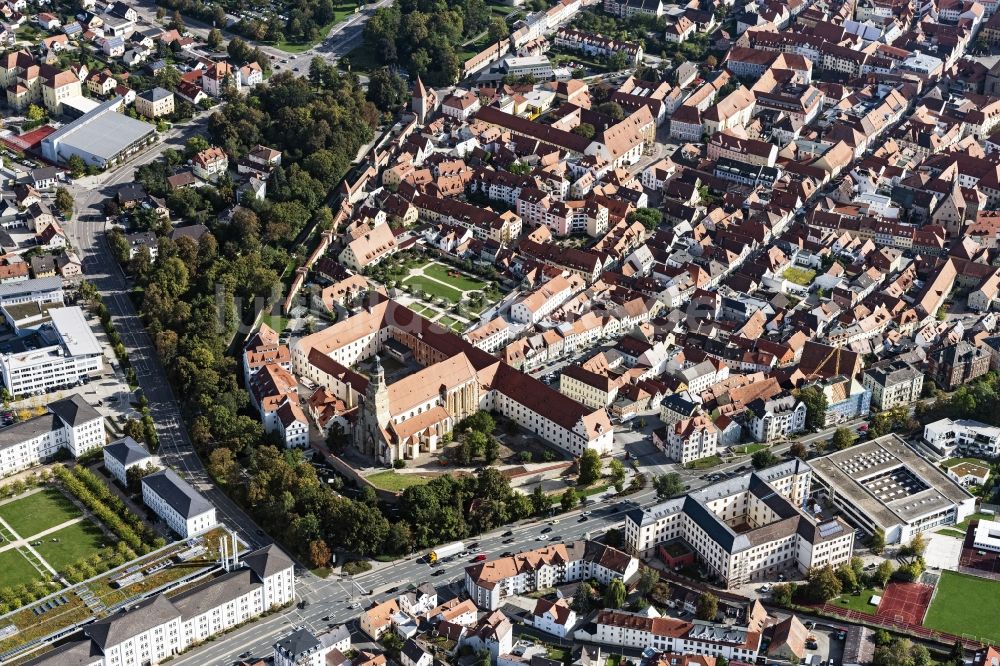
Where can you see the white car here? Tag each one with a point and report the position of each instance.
(585, 513)
(766, 587)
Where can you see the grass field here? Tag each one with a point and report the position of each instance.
(962, 526)
(75, 543)
(453, 324)
(705, 463)
(439, 272)
(274, 321)
(966, 606)
(394, 481)
(37, 512)
(800, 276)
(951, 462)
(432, 288)
(14, 569)
(748, 449)
(858, 602)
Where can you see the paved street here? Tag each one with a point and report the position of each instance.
(333, 598)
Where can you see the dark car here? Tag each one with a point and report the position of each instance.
(555, 537)
(439, 572)
(546, 530)
(392, 589)
(507, 553)
(582, 519)
(508, 533)
(511, 540)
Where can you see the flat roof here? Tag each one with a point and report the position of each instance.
(74, 331)
(888, 481)
(103, 132)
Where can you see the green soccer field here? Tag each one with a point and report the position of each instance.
(38, 512)
(966, 606)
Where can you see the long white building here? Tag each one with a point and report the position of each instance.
(640, 631)
(489, 583)
(750, 527)
(65, 353)
(182, 508)
(70, 424)
(159, 628)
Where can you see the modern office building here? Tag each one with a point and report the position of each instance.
(885, 484)
(59, 355)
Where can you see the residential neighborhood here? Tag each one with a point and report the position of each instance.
(528, 333)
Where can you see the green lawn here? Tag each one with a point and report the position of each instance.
(966, 606)
(962, 526)
(858, 602)
(394, 481)
(38, 512)
(276, 322)
(748, 449)
(15, 569)
(439, 272)
(951, 462)
(76, 542)
(453, 324)
(799, 276)
(705, 463)
(432, 288)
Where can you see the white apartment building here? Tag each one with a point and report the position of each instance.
(302, 648)
(160, 628)
(70, 424)
(688, 440)
(666, 634)
(179, 505)
(783, 536)
(533, 307)
(892, 384)
(491, 336)
(975, 437)
(489, 583)
(777, 418)
(124, 454)
(553, 617)
(69, 353)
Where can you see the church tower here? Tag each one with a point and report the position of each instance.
(378, 395)
(423, 102)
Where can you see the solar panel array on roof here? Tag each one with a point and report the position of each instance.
(829, 529)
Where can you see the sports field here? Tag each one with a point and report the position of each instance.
(38, 512)
(966, 606)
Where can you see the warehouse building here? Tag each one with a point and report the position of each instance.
(884, 484)
(102, 137)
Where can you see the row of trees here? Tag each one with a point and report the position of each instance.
(109, 508)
